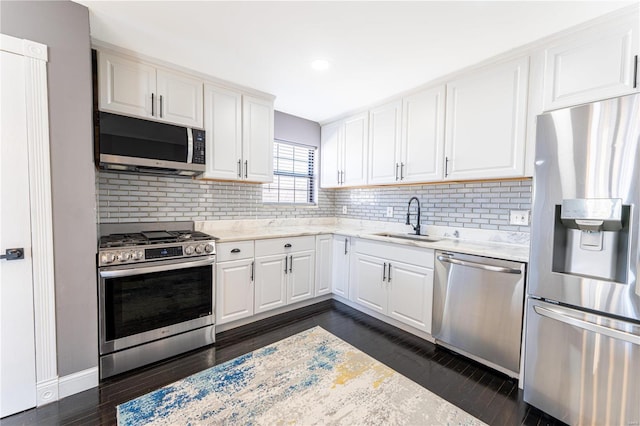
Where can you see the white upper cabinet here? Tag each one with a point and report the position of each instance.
(139, 89)
(223, 127)
(179, 98)
(343, 152)
(593, 64)
(384, 143)
(486, 122)
(423, 136)
(239, 133)
(356, 137)
(331, 154)
(257, 139)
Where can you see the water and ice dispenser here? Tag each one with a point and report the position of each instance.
(591, 238)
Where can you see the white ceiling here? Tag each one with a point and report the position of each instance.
(376, 49)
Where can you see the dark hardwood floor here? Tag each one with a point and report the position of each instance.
(486, 394)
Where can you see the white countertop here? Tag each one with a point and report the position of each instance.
(496, 244)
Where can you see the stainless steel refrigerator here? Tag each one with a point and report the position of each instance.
(582, 354)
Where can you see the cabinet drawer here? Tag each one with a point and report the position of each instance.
(279, 245)
(234, 251)
(397, 252)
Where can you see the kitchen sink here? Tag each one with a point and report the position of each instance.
(414, 237)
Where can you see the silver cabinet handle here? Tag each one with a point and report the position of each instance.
(239, 168)
(389, 275)
(401, 171)
(290, 263)
(338, 177)
(345, 246)
(558, 315)
(153, 102)
(397, 167)
(253, 269)
(286, 265)
(446, 166)
(384, 272)
(246, 168)
(479, 265)
(160, 106)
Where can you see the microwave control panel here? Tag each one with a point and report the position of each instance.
(198, 147)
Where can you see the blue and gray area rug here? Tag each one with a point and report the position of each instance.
(311, 378)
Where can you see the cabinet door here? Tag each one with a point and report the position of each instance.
(234, 290)
(270, 282)
(340, 276)
(594, 64)
(179, 99)
(423, 136)
(411, 295)
(301, 276)
(223, 127)
(485, 122)
(324, 262)
(126, 86)
(356, 136)
(257, 139)
(370, 289)
(384, 143)
(330, 154)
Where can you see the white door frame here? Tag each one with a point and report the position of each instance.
(35, 57)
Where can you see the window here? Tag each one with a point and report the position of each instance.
(293, 175)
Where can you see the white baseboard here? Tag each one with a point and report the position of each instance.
(46, 392)
(78, 382)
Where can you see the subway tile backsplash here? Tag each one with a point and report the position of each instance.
(135, 198)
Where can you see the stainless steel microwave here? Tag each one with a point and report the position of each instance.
(143, 146)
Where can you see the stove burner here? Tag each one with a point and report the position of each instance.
(152, 237)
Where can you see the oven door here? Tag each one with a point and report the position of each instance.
(143, 304)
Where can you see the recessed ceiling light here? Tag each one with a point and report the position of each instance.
(320, 64)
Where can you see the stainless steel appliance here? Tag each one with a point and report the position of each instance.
(582, 361)
(156, 293)
(143, 146)
(478, 303)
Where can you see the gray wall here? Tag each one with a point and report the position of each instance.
(290, 128)
(64, 27)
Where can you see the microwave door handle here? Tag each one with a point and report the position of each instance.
(118, 273)
(189, 145)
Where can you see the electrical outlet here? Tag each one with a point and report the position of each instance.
(344, 209)
(519, 217)
(389, 211)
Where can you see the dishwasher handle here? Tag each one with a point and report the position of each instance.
(483, 266)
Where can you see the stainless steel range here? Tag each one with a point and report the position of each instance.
(156, 296)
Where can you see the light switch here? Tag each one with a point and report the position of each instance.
(519, 217)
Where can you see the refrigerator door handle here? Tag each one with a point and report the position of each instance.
(558, 315)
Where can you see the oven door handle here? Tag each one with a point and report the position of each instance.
(158, 268)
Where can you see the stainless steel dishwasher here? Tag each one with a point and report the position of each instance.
(478, 303)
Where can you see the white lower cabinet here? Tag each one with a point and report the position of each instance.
(324, 264)
(271, 286)
(234, 281)
(394, 280)
(285, 272)
(340, 265)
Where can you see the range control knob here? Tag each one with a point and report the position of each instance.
(124, 256)
(137, 255)
(107, 258)
(200, 249)
(208, 248)
(188, 250)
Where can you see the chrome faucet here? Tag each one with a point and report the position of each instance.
(417, 225)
